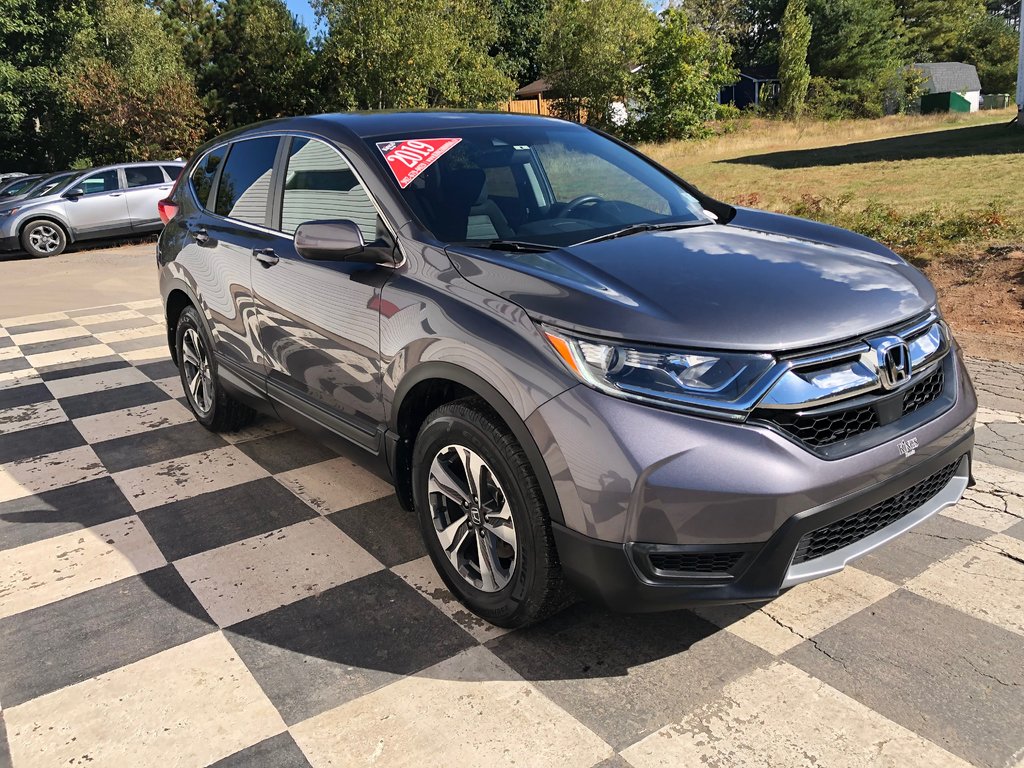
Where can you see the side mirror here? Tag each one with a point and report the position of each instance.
(337, 240)
(74, 193)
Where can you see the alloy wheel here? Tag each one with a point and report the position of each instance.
(472, 518)
(44, 238)
(198, 376)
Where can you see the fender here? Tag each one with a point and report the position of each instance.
(167, 287)
(27, 216)
(451, 372)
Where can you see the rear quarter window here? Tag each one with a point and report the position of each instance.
(204, 173)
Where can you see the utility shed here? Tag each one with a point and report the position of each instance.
(950, 86)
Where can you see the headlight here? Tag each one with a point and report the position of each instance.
(9, 212)
(686, 379)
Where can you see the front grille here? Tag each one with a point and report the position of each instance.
(924, 392)
(695, 562)
(859, 526)
(822, 429)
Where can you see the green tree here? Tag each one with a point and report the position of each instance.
(590, 52)
(37, 123)
(520, 27)
(429, 53)
(937, 28)
(794, 73)
(190, 23)
(683, 70)
(125, 76)
(992, 46)
(261, 64)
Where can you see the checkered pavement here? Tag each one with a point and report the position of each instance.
(173, 597)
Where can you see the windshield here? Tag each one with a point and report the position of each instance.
(17, 187)
(552, 185)
(47, 185)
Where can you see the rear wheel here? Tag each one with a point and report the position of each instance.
(212, 406)
(43, 238)
(483, 516)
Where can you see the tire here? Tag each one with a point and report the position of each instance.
(212, 406)
(41, 238)
(526, 582)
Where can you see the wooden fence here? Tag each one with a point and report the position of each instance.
(537, 106)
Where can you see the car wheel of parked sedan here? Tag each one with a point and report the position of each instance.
(43, 238)
(214, 408)
(483, 516)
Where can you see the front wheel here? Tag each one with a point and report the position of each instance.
(43, 238)
(483, 516)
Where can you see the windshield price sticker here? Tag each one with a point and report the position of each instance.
(408, 158)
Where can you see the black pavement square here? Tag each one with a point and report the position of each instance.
(1016, 531)
(47, 325)
(97, 631)
(6, 341)
(279, 751)
(42, 347)
(385, 530)
(87, 367)
(211, 520)
(328, 649)
(626, 676)
(115, 399)
(120, 325)
(285, 451)
(155, 446)
(14, 364)
(26, 443)
(164, 369)
(54, 513)
(951, 678)
(25, 395)
(918, 549)
(157, 339)
(5, 752)
(79, 367)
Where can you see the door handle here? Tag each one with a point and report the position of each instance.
(116, 194)
(266, 256)
(200, 236)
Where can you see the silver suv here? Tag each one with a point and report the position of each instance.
(111, 201)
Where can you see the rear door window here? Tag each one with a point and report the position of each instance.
(204, 173)
(244, 185)
(143, 176)
(172, 171)
(319, 184)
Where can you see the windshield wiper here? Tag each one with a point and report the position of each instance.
(636, 229)
(515, 246)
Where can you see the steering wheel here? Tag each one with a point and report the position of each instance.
(577, 202)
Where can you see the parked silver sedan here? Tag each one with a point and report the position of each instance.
(111, 201)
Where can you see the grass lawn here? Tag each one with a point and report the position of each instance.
(945, 191)
(955, 162)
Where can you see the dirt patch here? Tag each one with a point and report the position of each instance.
(982, 297)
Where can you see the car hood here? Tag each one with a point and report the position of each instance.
(715, 287)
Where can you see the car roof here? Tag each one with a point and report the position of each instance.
(365, 125)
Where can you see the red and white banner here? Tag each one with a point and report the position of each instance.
(408, 158)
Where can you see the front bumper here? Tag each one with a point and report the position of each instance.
(619, 575)
(638, 483)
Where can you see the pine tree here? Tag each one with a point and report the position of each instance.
(794, 72)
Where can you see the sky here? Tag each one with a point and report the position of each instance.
(302, 9)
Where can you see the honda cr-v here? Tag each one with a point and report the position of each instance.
(579, 369)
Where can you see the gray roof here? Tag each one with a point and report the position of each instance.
(949, 77)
